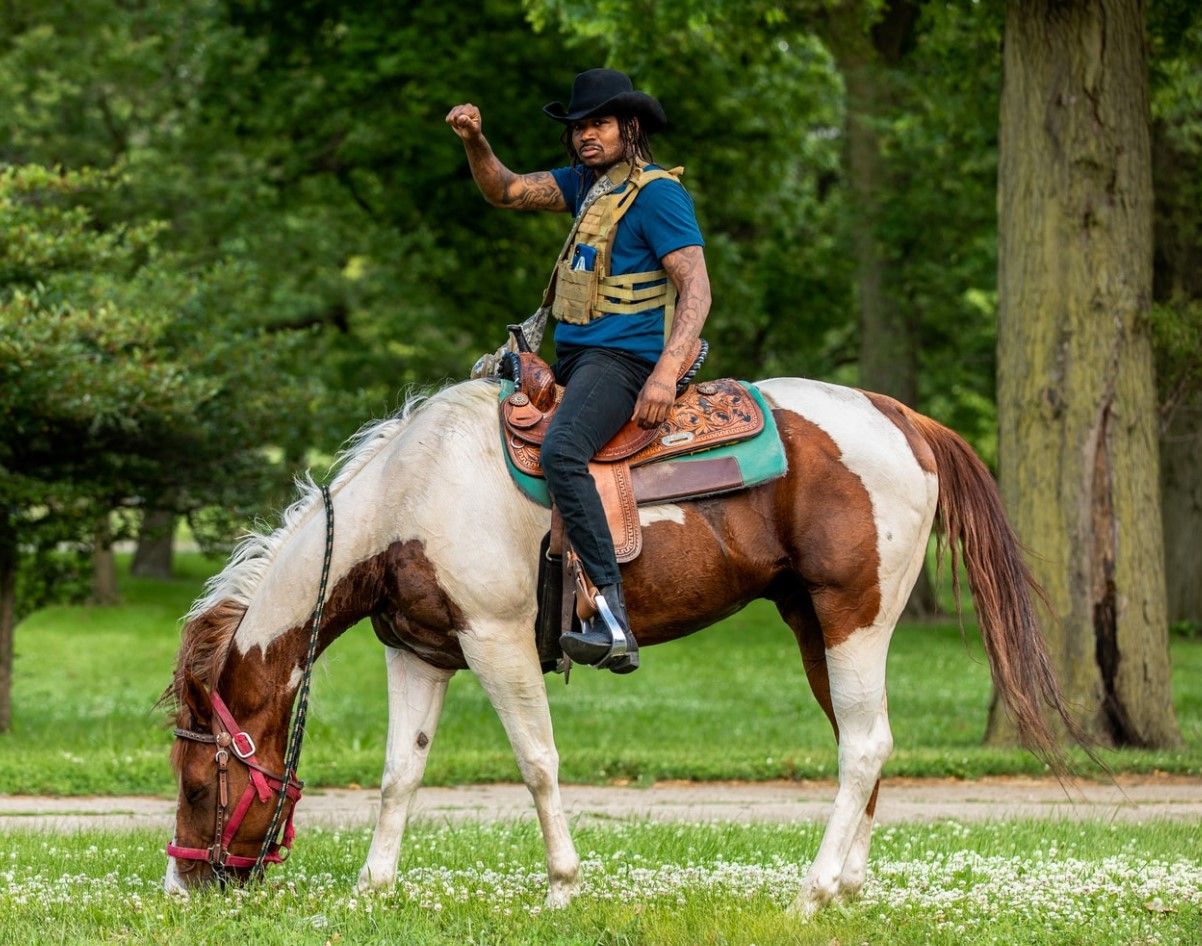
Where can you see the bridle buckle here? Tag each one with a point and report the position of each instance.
(235, 744)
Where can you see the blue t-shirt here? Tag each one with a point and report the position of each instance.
(661, 221)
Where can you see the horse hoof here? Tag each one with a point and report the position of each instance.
(804, 908)
(812, 898)
(368, 883)
(560, 895)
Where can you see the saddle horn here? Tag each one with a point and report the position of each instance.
(519, 337)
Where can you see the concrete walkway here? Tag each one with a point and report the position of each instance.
(901, 800)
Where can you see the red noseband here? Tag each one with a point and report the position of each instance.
(262, 787)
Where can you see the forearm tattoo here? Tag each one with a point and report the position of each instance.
(686, 269)
(502, 188)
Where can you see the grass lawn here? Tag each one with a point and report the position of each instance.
(1039, 883)
(730, 703)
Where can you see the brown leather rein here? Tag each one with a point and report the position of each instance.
(262, 784)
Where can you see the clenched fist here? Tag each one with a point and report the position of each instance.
(465, 121)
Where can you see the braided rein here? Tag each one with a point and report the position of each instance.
(296, 733)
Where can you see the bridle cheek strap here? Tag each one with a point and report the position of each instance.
(243, 747)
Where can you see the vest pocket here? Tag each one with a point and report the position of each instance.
(575, 294)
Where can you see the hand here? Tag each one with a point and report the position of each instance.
(654, 401)
(465, 121)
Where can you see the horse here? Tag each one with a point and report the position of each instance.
(436, 543)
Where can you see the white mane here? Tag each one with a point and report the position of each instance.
(253, 555)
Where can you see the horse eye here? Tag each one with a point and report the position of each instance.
(196, 794)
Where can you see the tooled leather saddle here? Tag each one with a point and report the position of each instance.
(635, 467)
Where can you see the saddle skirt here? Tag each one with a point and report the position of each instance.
(719, 437)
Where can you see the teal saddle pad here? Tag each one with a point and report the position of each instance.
(761, 458)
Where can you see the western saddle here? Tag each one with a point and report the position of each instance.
(626, 469)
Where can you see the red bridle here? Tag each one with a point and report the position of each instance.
(262, 785)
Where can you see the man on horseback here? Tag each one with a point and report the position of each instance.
(630, 294)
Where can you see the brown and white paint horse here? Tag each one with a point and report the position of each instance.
(435, 540)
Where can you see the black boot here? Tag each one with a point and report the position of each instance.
(605, 641)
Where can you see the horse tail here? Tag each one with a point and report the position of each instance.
(975, 529)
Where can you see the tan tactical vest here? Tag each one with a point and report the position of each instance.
(580, 295)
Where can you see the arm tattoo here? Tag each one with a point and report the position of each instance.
(537, 191)
(686, 268)
(502, 188)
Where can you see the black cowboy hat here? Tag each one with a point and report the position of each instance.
(608, 92)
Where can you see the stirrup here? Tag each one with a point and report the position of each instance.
(601, 640)
(619, 644)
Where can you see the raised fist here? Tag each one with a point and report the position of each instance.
(465, 121)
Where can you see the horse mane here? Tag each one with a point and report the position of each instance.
(213, 620)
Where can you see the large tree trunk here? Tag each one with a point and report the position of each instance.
(888, 356)
(1076, 399)
(8, 617)
(156, 544)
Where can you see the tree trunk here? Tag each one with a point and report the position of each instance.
(888, 353)
(8, 617)
(1181, 482)
(888, 357)
(1076, 399)
(156, 543)
(104, 569)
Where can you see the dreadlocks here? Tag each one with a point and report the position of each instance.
(635, 143)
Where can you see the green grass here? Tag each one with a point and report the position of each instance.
(669, 885)
(729, 703)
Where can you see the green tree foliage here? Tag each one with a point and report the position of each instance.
(1175, 40)
(377, 233)
(123, 377)
(940, 219)
(122, 381)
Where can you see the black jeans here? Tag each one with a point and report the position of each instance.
(601, 388)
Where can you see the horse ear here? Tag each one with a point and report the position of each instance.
(195, 699)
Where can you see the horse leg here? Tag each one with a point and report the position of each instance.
(855, 868)
(846, 666)
(504, 659)
(415, 696)
(800, 617)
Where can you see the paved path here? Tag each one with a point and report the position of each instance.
(1134, 799)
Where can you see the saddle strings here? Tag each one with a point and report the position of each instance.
(296, 734)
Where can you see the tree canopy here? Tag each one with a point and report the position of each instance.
(235, 229)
